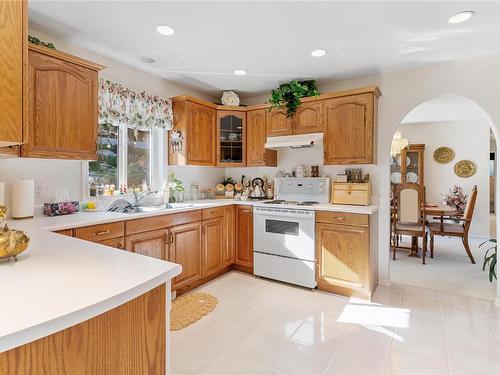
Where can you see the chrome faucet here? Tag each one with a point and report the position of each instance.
(137, 199)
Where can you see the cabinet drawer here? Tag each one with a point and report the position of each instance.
(209, 213)
(342, 218)
(161, 222)
(118, 243)
(97, 233)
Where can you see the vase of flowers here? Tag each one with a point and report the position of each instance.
(455, 198)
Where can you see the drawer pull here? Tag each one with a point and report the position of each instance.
(101, 233)
(340, 218)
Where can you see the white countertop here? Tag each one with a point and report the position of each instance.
(60, 281)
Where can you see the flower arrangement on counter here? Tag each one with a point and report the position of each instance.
(455, 198)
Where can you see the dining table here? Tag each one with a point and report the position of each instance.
(435, 210)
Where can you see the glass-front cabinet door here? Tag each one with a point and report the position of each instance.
(231, 140)
(412, 163)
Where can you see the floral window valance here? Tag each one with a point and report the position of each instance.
(120, 105)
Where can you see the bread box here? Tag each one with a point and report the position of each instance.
(351, 193)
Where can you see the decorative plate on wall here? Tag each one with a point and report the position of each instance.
(444, 155)
(465, 168)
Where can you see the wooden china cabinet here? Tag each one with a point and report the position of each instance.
(409, 165)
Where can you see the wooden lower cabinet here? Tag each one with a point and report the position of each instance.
(203, 242)
(244, 237)
(153, 243)
(343, 256)
(185, 249)
(212, 245)
(129, 339)
(228, 254)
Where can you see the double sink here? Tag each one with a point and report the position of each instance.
(145, 209)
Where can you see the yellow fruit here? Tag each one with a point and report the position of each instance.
(91, 205)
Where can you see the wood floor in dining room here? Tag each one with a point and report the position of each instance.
(449, 271)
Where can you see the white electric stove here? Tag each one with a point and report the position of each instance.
(284, 230)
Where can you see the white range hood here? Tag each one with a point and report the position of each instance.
(295, 141)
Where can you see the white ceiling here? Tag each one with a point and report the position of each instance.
(449, 108)
(271, 40)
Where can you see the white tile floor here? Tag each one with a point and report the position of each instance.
(264, 327)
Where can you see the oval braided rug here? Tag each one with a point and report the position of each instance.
(190, 308)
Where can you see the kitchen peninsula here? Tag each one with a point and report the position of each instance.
(72, 306)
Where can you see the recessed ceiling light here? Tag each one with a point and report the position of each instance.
(318, 52)
(146, 59)
(461, 16)
(240, 72)
(165, 30)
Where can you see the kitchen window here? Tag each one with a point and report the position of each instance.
(131, 142)
(126, 160)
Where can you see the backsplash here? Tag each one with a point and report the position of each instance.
(290, 158)
(52, 175)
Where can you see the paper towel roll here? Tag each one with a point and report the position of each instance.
(2, 193)
(23, 199)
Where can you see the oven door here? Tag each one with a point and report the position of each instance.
(284, 232)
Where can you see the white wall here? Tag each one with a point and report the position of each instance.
(470, 140)
(475, 79)
(51, 175)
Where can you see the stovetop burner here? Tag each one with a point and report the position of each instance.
(275, 201)
(291, 203)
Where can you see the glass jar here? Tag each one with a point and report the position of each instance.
(194, 192)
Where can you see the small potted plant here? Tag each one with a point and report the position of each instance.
(176, 189)
(289, 94)
(490, 259)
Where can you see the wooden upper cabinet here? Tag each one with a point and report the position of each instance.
(152, 243)
(62, 106)
(231, 138)
(244, 236)
(212, 244)
(278, 123)
(350, 129)
(197, 124)
(309, 118)
(13, 37)
(185, 249)
(257, 154)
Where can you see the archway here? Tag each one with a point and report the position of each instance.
(443, 115)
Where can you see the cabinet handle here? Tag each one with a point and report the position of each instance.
(102, 232)
(171, 237)
(120, 246)
(340, 218)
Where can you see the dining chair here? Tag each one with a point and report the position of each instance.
(410, 215)
(460, 229)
